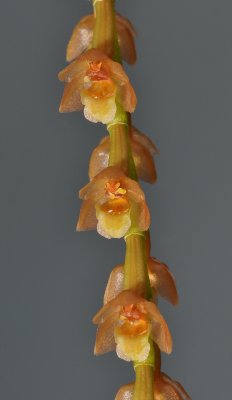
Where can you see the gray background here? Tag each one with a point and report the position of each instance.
(52, 278)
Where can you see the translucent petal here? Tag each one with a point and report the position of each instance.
(128, 97)
(168, 389)
(99, 158)
(71, 100)
(144, 140)
(160, 332)
(162, 280)
(144, 216)
(115, 284)
(126, 23)
(126, 43)
(117, 72)
(144, 162)
(94, 189)
(87, 218)
(125, 392)
(105, 341)
(81, 37)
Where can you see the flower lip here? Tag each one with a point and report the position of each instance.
(116, 206)
(98, 89)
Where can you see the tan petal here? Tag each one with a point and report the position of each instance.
(126, 23)
(81, 37)
(115, 284)
(87, 218)
(99, 158)
(126, 43)
(105, 341)
(160, 332)
(169, 389)
(71, 100)
(162, 280)
(144, 216)
(94, 189)
(117, 71)
(125, 392)
(144, 140)
(128, 97)
(144, 162)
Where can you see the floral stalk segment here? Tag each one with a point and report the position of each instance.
(104, 32)
(120, 154)
(135, 268)
(144, 383)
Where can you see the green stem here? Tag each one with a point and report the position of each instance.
(104, 34)
(144, 383)
(120, 147)
(135, 268)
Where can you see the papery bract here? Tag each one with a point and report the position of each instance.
(96, 83)
(161, 280)
(128, 322)
(112, 204)
(82, 36)
(143, 151)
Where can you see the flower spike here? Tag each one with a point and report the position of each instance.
(114, 204)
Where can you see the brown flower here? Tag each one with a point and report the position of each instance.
(164, 389)
(127, 323)
(113, 203)
(161, 280)
(95, 82)
(83, 34)
(143, 151)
